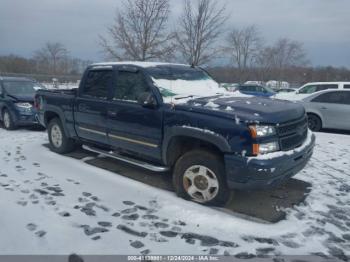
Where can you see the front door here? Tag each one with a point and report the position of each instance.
(91, 106)
(132, 127)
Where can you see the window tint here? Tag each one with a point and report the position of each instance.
(248, 88)
(333, 98)
(347, 86)
(325, 87)
(315, 88)
(308, 89)
(97, 83)
(130, 85)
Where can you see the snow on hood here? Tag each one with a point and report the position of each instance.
(249, 108)
(180, 91)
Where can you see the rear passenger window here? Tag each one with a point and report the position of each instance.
(347, 86)
(130, 85)
(334, 98)
(325, 87)
(97, 83)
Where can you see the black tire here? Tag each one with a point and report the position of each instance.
(66, 144)
(214, 165)
(314, 122)
(8, 123)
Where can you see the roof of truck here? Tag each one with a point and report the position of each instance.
(137, 63)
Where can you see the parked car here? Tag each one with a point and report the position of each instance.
(16, 102)
(256, 90)
(311, 88)
(232, 87)
(328, 109)
(174, 117)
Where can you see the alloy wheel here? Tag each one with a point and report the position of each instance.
(200, 183)
(56, 136)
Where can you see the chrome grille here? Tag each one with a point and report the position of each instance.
(292, 134)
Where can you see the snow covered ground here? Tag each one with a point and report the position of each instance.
(52, 204)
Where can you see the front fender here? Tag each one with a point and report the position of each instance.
(194, 132)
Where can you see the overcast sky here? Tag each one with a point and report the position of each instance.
(322, 25)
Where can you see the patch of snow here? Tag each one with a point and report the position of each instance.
(38, 221)
(136, 63)
(200, 129)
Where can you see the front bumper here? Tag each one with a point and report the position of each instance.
(248, 173)
(24, 119)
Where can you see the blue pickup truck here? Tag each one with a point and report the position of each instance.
(175, 117)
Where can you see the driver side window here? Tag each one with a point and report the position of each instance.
(129, 86)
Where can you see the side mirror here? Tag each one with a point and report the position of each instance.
(147, 100)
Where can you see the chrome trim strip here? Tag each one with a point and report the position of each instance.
(129, 160)
(92, 131)
(133, 140)
(118, 137)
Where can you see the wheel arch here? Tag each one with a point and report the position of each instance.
(317, 115)
(51, 114)
(180, 140)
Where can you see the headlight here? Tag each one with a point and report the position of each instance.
(268, 147)
(24, 105)
(262, 130)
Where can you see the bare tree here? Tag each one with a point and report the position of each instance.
(287, 53)
(243, 45)
(200, 25)
(284, 54)
(52, 54)
(139, 31)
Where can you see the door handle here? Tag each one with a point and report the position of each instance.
(112, 113)
(323, 107)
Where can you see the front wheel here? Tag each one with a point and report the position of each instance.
(8, 121)
(200, 176)
(59, 142)
(315, 123)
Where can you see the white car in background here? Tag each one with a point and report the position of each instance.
(310, 88)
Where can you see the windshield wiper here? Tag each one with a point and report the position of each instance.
(183, 97)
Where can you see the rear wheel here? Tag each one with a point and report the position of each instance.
(200, 176)
(59, 142)
(7, 120)
(315, 123)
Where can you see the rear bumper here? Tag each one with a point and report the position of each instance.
(248, 173)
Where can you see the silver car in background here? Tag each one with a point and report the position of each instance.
(328, 109)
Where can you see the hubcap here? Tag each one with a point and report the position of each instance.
(7, 120)
(56, 136)
(200, 183)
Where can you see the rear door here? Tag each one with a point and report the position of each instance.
(335, 109)
(91, 105)
(132, 127)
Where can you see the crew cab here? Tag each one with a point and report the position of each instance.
(175, 117)
(16, 101)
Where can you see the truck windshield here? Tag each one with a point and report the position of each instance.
(23, 88)
(183, 81)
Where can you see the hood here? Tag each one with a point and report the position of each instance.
(22, 98)
(248, 109)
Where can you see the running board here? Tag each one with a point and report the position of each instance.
(132, 161)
